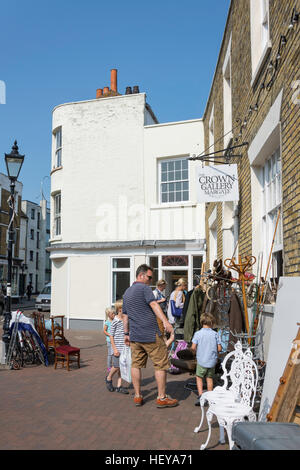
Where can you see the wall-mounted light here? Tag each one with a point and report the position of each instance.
(294, 19)
(283, 40)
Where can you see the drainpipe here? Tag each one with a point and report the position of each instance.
(236, 220)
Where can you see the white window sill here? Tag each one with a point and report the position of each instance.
(57, 238)
(261, 63)
(173, 205)
(56, 168)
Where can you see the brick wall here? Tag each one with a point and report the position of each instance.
(245, 95)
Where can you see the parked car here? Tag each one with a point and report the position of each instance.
(43, 300)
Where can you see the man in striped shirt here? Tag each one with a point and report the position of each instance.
(142, 333)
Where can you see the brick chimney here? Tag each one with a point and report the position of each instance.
(105, 92)
(113, 80)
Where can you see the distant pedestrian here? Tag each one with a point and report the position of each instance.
(117, 344)
(206, 343)
(109, 316)
(176, 302)
(142, 333)
(159, 294)
(29, 290)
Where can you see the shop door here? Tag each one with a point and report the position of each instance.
(172, 276)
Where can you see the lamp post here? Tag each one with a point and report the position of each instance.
(14, 162)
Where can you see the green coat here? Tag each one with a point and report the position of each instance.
(192, 319)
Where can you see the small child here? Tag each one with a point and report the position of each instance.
(109, 316)
(207, 344)
(117, 344)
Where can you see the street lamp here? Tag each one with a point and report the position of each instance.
(14, 162)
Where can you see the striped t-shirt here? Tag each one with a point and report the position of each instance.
(143, 326)
(117, 332)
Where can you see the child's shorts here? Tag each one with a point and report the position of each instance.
(205, 372)
(116, 361)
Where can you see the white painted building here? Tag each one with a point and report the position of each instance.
(122, 193)
(35, 235)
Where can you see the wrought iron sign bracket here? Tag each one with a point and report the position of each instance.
(228, 155)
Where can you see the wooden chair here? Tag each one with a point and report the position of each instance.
(57, 322)
(39, 324)
(62, 349)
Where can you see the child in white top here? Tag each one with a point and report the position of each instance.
(117, 345)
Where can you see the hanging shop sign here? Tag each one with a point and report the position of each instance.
(217, 183)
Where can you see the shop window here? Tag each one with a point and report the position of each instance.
(120, 277)
(197, 265)
(174, 180)
(153, 263)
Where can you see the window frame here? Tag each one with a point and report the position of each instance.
(271, 197)
(227, 95)
(120, 270)
(181, 181)
(57, 215)
(259, 36)
(58, 148)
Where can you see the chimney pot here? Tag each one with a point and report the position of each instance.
(99, 92)
(135, 89)
(105, 90)
(113, 80)
(128, 90)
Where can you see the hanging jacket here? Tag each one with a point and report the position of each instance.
(236, 320)
(186, 304)
(192, 318)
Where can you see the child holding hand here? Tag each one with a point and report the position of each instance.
(206, 343)
(117, 344)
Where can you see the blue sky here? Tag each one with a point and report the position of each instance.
(53, 52)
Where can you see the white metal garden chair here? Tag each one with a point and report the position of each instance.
(236, 399)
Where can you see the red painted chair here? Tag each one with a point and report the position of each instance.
(62, 351)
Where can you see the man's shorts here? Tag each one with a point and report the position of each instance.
(205, 372)
(157, 352)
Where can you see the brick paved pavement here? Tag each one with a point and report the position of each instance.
(47, 409)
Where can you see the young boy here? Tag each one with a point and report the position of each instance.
(117, 344)
(109, 316)
(207, 344)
